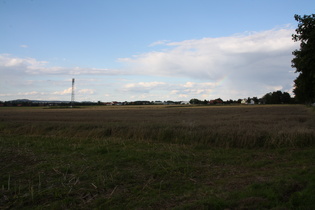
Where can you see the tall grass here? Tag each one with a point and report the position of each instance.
(249, 127)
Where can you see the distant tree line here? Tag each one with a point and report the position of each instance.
(276, 97)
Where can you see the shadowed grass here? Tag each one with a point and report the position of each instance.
(88, 173)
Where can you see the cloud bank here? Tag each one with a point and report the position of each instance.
(249, 63)
(238, 66)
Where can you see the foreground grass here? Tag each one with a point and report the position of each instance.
(158, 159)
(59, 173)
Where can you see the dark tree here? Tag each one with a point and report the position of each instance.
(195, 101)
(304, 60)
(256, 100)
(277, 97)
(285, 98)
(267, 99)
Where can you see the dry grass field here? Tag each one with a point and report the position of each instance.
(158, 157)
(227, 126)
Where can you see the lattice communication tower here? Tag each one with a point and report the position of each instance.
(72, 93)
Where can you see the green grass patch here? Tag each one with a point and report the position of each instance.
(47, 172)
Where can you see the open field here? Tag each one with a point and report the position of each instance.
(158, 157)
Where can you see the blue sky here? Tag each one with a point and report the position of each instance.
(127, 50)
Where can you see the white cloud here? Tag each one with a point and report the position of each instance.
(64, 92)
(86, 91)
(69, 90)
(6, 60)
(183, 96)
(166, 91)
(195, 90)
(160, 42)
(188, 84)
(31, 66)
(144, 86)
(248, 63)
(24, 46)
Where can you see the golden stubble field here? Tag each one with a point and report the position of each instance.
(250, 126)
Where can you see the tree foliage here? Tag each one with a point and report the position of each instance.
(195, 101)
(277, 97)
(304, 60)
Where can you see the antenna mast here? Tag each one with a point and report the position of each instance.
(72, 93)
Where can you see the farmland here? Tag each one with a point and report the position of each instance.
(158, 157)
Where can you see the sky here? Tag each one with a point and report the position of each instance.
(129, 50)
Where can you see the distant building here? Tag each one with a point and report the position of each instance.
(216, 101)
(245, 101)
